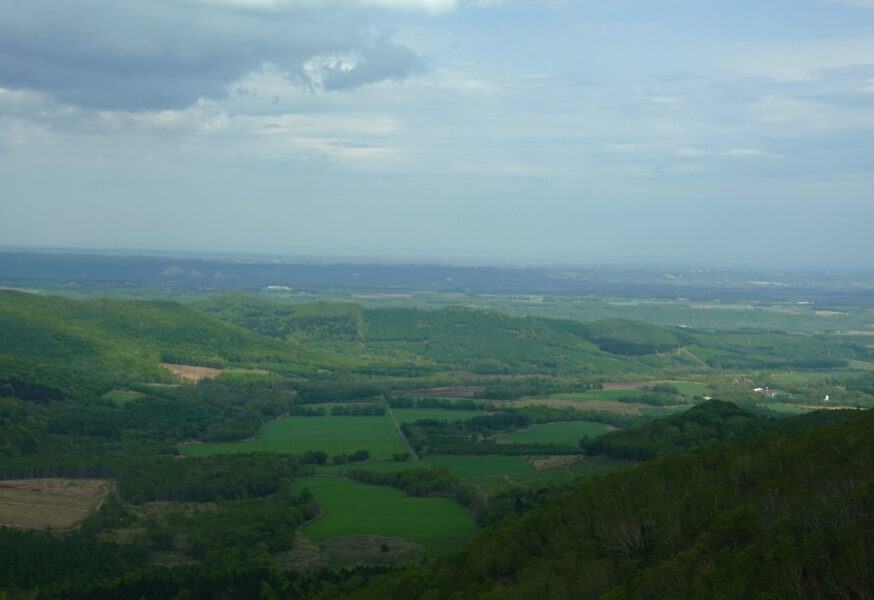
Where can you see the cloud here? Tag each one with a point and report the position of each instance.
(163, 54)
(382, 60)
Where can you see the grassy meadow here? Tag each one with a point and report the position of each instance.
(480, 466)
(383, 466)
(332, 435)
(353, 508)
(121, 397)
(410, 415)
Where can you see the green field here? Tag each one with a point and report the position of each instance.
(353, 508)
(796, 377)
(861, 364)
(409, 415)
(383, 466)
(481, 466)
(332, 435)
(120, 397)
(557, 433)
(600, 395)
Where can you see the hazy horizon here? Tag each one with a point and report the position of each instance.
(352, 258)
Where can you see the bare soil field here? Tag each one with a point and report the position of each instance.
(56, 504)
(543, 463)
(193, 374)
(633, 385)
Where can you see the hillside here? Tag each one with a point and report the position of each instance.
(704, 424)
(621, 336)
(452, 338)
(420, 341)
(321, 320)
(735, 520)
(89, 346)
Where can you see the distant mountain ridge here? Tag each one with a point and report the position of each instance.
(252, 274)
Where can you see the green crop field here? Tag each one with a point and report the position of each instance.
(481, 466)
(796, 377)
(557, 433)
(786, 408)
(600, 395)
(120, 397)
(383, 466)
(332, 435)
(409, 415)
(353, 508)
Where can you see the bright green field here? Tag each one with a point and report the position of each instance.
(353, 508)
(332, 435)
(246, 373)
(481, 466)
(408, 415)
(557, 433)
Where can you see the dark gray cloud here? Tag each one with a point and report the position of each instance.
(157, 54)
(382, 60)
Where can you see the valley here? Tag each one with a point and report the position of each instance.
(310, 445)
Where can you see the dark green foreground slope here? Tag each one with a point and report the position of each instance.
(775, 516)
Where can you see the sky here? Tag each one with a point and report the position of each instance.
(695, 132)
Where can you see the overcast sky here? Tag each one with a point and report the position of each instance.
(590, 131)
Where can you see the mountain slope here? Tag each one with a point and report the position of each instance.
(88, 345)
(774, 516)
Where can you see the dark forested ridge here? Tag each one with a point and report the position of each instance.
(774, 516)
(707, 423)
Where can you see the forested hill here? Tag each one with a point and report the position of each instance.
(456, 338)
(344, 321)
(703, 424)
(486, 341)
(88, 346)
(321, 320)
(774, 516)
